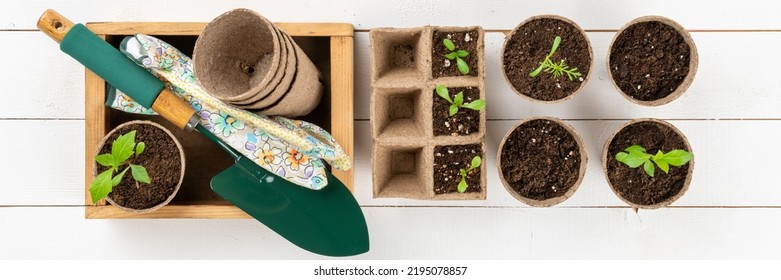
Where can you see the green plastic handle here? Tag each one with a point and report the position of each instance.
(107, 62)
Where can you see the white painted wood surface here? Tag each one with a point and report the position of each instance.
(731, 115)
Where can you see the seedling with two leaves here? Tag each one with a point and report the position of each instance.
(122, 150)
(557, 69)
(476, 161)
(456, 55)
(458, 102)
(635, 155)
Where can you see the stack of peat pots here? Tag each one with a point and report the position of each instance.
(541, 161)
(419, 147)
(246, 61)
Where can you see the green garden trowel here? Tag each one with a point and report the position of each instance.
(327, 221)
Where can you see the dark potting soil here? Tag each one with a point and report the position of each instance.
(403, 56)
(540, 160)
(448, 160)
(633, 184)
(465, 122)
(441, 66)
(649, 60)
(529, 46)
(162, 162)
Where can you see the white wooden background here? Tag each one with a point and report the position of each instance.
(731, 115)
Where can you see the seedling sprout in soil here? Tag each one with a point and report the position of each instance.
(635, 156)
(458, 101)
(476, 161)
(463, 67)
(556, 69)
(122, 150)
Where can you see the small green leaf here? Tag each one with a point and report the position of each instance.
(140, 148)
(106, 160)
(449, 44)
(476, 161)
(662, 165)
(635, 148)
(556, 42)
(139, 173)
(537, 71)
(463, 173)
(122, 148)
(442, 92)
(677, 157)
(462, 186)
(462, 53)
(459, 100)
(649, 168)
(451, 55)
(476, 105)
(118, 179)
(630, 159)
(453, 110)
(101, 186)
(462, 66)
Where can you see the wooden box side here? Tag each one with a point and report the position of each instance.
(341, 89)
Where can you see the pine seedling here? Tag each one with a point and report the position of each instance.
(122, 150)
(635, 155)
(557, 69)
(456, 55)
(476, 161)
(458, 102)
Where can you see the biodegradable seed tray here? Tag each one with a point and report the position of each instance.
(402, 109)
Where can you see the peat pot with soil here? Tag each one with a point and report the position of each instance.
(547, 59)
(652, 60)
(541, 161)
(139, 167)
(648, 163)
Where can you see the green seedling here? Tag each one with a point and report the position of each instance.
(458, 101)
(556, 69)
(122, 150)
(476, 161)
(456, 55)
(635, 155)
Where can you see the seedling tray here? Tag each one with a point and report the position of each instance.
(329, 45)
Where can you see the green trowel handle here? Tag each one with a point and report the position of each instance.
(107, 62)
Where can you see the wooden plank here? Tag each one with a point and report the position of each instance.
(715, 94)
(720, 89)
(342, 101)
(435, 233)
(734, 166)
(95, 126)
(609, 14)
(195, 28)
(169, 212)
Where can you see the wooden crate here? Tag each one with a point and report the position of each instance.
(329, 45)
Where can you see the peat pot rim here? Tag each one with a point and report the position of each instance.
(210, 83)
(181, 158)
(557, 17)
(693, 61)
(668, 201)
(581, 171)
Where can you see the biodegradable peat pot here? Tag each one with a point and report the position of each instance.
(281, 81)
(530, 43)
(541, 161)
(237, 55)
(305, 91)
(652, 60)
(418, 148)
(163, 159)
(633, 185)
